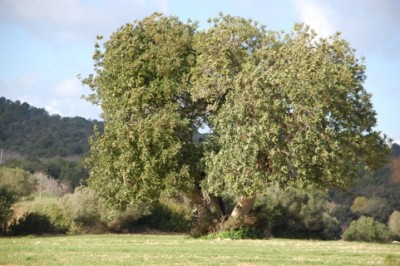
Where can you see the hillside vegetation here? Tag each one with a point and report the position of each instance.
(31, 131)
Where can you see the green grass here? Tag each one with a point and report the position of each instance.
(181, 250)
(35, 203)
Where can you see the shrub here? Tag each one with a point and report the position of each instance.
(330, 228)
(17, 180)
(126, 221)
(366, 229)
(297, 214)
(269, 215)
(57, 218)
(394, 223)
(88, 214)
(32, 223)
(168, 216)
(378, 208)
(342, 213)
(85, 209)
(7, 199)
(246, 232)
(53, 210)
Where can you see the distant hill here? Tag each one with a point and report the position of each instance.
(31, 131)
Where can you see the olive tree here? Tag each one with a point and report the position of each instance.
(142, 84)
(287, 109)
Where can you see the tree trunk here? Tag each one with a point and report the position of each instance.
(202, 212)
(240, 213)
(210, 212)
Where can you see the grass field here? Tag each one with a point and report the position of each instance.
(37, 203)
(181, 250)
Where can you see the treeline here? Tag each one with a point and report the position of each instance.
(70, 173)
(32, 131)
(367, 211)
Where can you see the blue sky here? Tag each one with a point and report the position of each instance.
(45, 44)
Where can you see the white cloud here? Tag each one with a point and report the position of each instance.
(316, 16)
(61, 13)
(53, 107)
(72, 108)
(371, 26)
(68, 20)
(70, 88)
(163, 5)
(63, 99)
(66, 100)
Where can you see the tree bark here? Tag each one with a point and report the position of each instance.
(202, 212)
(210, 212)
(240, 213)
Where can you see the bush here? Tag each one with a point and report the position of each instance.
(269, 215)
(394, 223)
(85, 210)
(247, 232)
(32, 223)
(53, 210)
(377, 208)
(366, 229)
(88, 214)
(59, 221)
(168, 216)
(17, 180)
(342, 213)
(296, 214)
(7, 199)
(127, 220)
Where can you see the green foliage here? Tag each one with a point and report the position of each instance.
(17, 180)
(33, 223)
(368, 230)
(381, 183)
(7, 199)
(14, 184)
(284, 108)
(342, 212)
(71, 172)
(377, 208)
(374, 194)
(142, 82)
(129, 220)
(29, 164)
(85, 209)
(294, 213)
(68, 172)
(32, 131)
(58, 219)
(89, 214)
(168, 216)
(289, 109)
(247, 232)
(394, 223)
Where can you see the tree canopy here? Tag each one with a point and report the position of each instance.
(286, 108)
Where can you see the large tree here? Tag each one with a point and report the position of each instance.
(142, 83)
(282, 108)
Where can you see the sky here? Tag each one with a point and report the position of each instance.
(46, 44)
